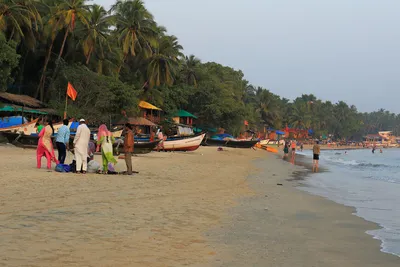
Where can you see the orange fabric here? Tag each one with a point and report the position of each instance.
(129, 141)
(71, 92)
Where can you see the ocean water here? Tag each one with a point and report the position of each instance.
(369, 182)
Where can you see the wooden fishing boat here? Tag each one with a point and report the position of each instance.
(58, 125)
(185, 144)
(139, 147)
(272, 143)
(230, 143)
(26, 128)
(21, 140)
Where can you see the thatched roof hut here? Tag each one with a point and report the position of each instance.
(137, 121)
(21, 100)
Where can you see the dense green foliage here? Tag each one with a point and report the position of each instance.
(8, 61)
(114, 58)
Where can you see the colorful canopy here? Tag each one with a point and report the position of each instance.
(146, 105)
(184, 113)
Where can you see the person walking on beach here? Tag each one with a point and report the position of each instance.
(293, 145)
(316, 152)
(106, 140)
(81, 143)
(45, 146)
(160, 137)
(129, 141)
(286, 150)
(62, 141)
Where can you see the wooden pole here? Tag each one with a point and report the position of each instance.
(66, 105)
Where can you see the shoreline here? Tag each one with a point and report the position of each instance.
(302, 175)
(202, 208)
(349, 236)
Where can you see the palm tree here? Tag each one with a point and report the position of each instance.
(69, 11)
(53, 24)
(189, 69)
(164, 61)
(17, 18)
(266, 107)
(135, 28)
(97, 33)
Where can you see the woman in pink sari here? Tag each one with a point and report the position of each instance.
(45, 146)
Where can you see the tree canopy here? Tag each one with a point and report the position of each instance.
(116, 57)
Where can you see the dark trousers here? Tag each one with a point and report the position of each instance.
(62, 152)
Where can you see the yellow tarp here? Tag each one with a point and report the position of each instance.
(145, 105)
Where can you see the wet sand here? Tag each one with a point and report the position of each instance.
(202, 208)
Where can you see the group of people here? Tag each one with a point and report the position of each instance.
(293, 145)
(83, 148)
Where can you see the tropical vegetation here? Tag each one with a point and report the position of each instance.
(116, 57)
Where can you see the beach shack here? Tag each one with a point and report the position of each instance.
(372, 139)
(150, 112)
(142, 125)
(25, 106)
(183, 117)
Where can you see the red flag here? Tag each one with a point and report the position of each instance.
(71, 92)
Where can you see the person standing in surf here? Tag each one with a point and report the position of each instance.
(293, 146)
(316, 152)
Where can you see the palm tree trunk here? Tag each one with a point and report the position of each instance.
(89, 55)
(59, 58)
(122, 63)
(40, 88)
(63, 44)
(12, 35)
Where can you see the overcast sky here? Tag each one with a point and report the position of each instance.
(336, 49)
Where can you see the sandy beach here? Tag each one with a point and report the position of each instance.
(202, 208)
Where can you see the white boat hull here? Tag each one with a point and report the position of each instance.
(186, 144)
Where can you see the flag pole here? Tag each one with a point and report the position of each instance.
(66, 105)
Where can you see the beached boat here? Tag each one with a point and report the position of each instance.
(26, 128)
(229, 143)
(139, 147)
(21, 140)
(58, 125)
(272, 143)
(185, 144)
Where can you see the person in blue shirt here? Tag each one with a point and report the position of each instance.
(62, 141)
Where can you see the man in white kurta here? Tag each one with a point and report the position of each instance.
(81, 143)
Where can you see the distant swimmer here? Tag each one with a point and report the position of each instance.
(380, 150)
(345, 152)
(373, 150)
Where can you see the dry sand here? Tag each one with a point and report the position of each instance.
(183, 209)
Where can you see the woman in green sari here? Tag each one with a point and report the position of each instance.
(106, 140)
